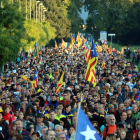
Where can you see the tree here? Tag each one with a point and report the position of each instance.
(12, 30)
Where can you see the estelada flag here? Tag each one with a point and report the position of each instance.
(60, 83)
(121, 51)
(90, 72)
(35, 81)
(63, 43)
(56, 45)
(35, 51)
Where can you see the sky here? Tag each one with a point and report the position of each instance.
(84, 15)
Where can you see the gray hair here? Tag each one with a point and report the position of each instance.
(43, 128)
(47, 132)
(59, 126)
(17, 100)
(107, 84)
(57, 136)
(137, 123)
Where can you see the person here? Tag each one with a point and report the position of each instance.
(54, 101)
(3, 127)
(71, 130)
(38, 123)
(65, 100)
(73, 136)
(135, 112)
(52, 118)
(59, 114)
(35, 136)
(122, 135)
(65, 123)
(67, 111)
(17, 136)
(130, 135)
(138, 136)
(49, 135)
(20, 129)
(61, 136)
(7, 116)
(110, 128)
(110, 137)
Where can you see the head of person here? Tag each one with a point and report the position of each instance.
(43, 130)
(61, 105)
(121, 107)
(68, 108)
(138, 125)
(89, 97)
(19, 125)
(127, 103)
(138, 135)
(50, 135)
(74, 120)
(58, 111)
(101, 108)
(1, 115)
(111, 108)
(119, 128)
(13, 126)
(129, 113)
(122, 134)
(7, 109)
(134, 107)
(52, 115)
(65, 96)
(130, 135)
(64, 122)
(123, 116)
(103, 100)
(8, 101)
(18, 136)
(40, 118)
(110, 137)
(116, 93)
(53, 97)
(35, 136)
(112, 120)
(58, 129)
(61, 136)
(71, 130)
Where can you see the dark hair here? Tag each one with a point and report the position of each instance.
(32, 107)
(36, 133)
(120, 125)
(66, 123)
(72, 104)
(137, 138)
(46, 123)
(129, 135)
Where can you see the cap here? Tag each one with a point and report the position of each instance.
(74, 110)
(110, 106)
(40, 115)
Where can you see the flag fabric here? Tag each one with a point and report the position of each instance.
(60, 83)
(35, 51)
(72, 40)
(63, 43)
(110, 50)
(40, 60)
(99, 49)
(87, 131)
(87, 53)
(79, 40)
(35, 81)
(121, 51)
(24, 59)
(24, 78)
(103, 64)
(91, 72)
(56, 45)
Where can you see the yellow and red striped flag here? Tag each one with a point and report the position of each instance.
(91, 72)
(103, 64)
(56, 45)
(110, 50)
(87, 53)
(60, 83)
(72, 40)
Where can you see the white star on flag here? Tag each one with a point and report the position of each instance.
(89, 134)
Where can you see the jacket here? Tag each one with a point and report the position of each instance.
(8, 119)
(135, 115)
(111, 130)
(54, 103)
(4, 132)
(12, 107)
(26, 135)
(65, 102)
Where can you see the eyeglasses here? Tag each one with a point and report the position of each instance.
(62, 138)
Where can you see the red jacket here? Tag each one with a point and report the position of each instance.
(65, 102)
(8, 119)
(12, 107)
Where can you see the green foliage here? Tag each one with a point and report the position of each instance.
(12, 30)
(115, 16)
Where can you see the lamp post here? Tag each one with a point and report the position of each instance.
(36, 9)
(12, 1)
(26, 9)
(44, 13)
(39, 11)
(1, 4)
(19, 4)
(30, 9)
(111, 38)
(33, 10)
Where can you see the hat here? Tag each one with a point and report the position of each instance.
(110, 106)
(2, 83)
(40, 115)
(74, 110)
(1, 109)
(73, 136)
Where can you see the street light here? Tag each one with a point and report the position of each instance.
(39, 11)
(44, 13)
(36, 9)
(12, 1)
(33, 10)
(111, 38)
(19, 4)
(26, 9)
(30, 9)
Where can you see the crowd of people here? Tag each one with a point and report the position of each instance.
(40, 113)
